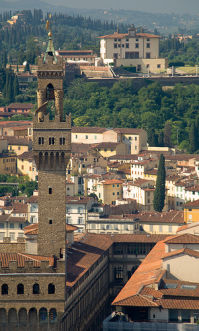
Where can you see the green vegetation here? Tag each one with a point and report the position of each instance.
(167, 116)
(159, 194)
(180, 53)
(25, 186)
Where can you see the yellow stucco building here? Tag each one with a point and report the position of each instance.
(191, 212)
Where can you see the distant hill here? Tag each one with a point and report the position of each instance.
(163, 22)
(24, 4)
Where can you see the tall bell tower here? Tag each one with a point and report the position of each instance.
(51, 149)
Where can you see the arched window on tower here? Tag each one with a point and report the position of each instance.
(51, 288)
(50, 95)
(20, 289)
(35, 289)
(4, 289)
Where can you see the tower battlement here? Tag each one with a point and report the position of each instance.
(51, 150)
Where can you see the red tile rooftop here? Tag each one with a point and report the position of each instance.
(186, 238)
(185, 251)
(192, 204)
(123, 35)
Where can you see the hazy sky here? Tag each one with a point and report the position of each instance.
(164, 6)
(178, 6)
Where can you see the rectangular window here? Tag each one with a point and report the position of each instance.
(136, 45)
(12, 226)
(158, 66)
(148, 45)
(148, 55)
(80, 220)
(50, 190)
(62, 141)
(131, 55)
(86, 137)
(115, 56)
(115, 45)
(127, 45)
(51, 141)
(41, 140)
(1, 225)
(12, 236)
(2, 235)
(118, 273)
(76, 136)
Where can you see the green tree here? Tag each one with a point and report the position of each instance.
(167, 134)
(159, 194)
(193, 138)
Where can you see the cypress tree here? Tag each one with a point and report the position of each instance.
(159, 194)
(16, 86)
(193, 138)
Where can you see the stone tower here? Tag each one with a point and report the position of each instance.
(51, 149)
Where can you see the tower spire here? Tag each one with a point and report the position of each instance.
(50, 51)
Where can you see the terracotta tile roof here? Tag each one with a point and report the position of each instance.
(186, 238)
(123, 157)
(171, 217)
(129, 131)
(105, 145)
(88, 129)
(111, 181)
(13, 219)
(192, 204)
(84, 254)
(179, 304)
(183, 227)
(151, 272)
(138, 238)
(11, 124)
(185, 251)
(123, 35)
(188, 226)
(32, 229)
(12, 140)
(137, 301)
(20, 259)
(20, 208)
(28, 156)
(20, 105)
(146, 274)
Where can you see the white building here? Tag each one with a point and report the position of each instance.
(137, 49)
(163, 293)
(76, 210)
(142, 191)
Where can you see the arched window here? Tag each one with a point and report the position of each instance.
(52, 315)
(4, 289)
(35, 289)
(20, 289)
(51, 288)
(43, 315)
(50, 95)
